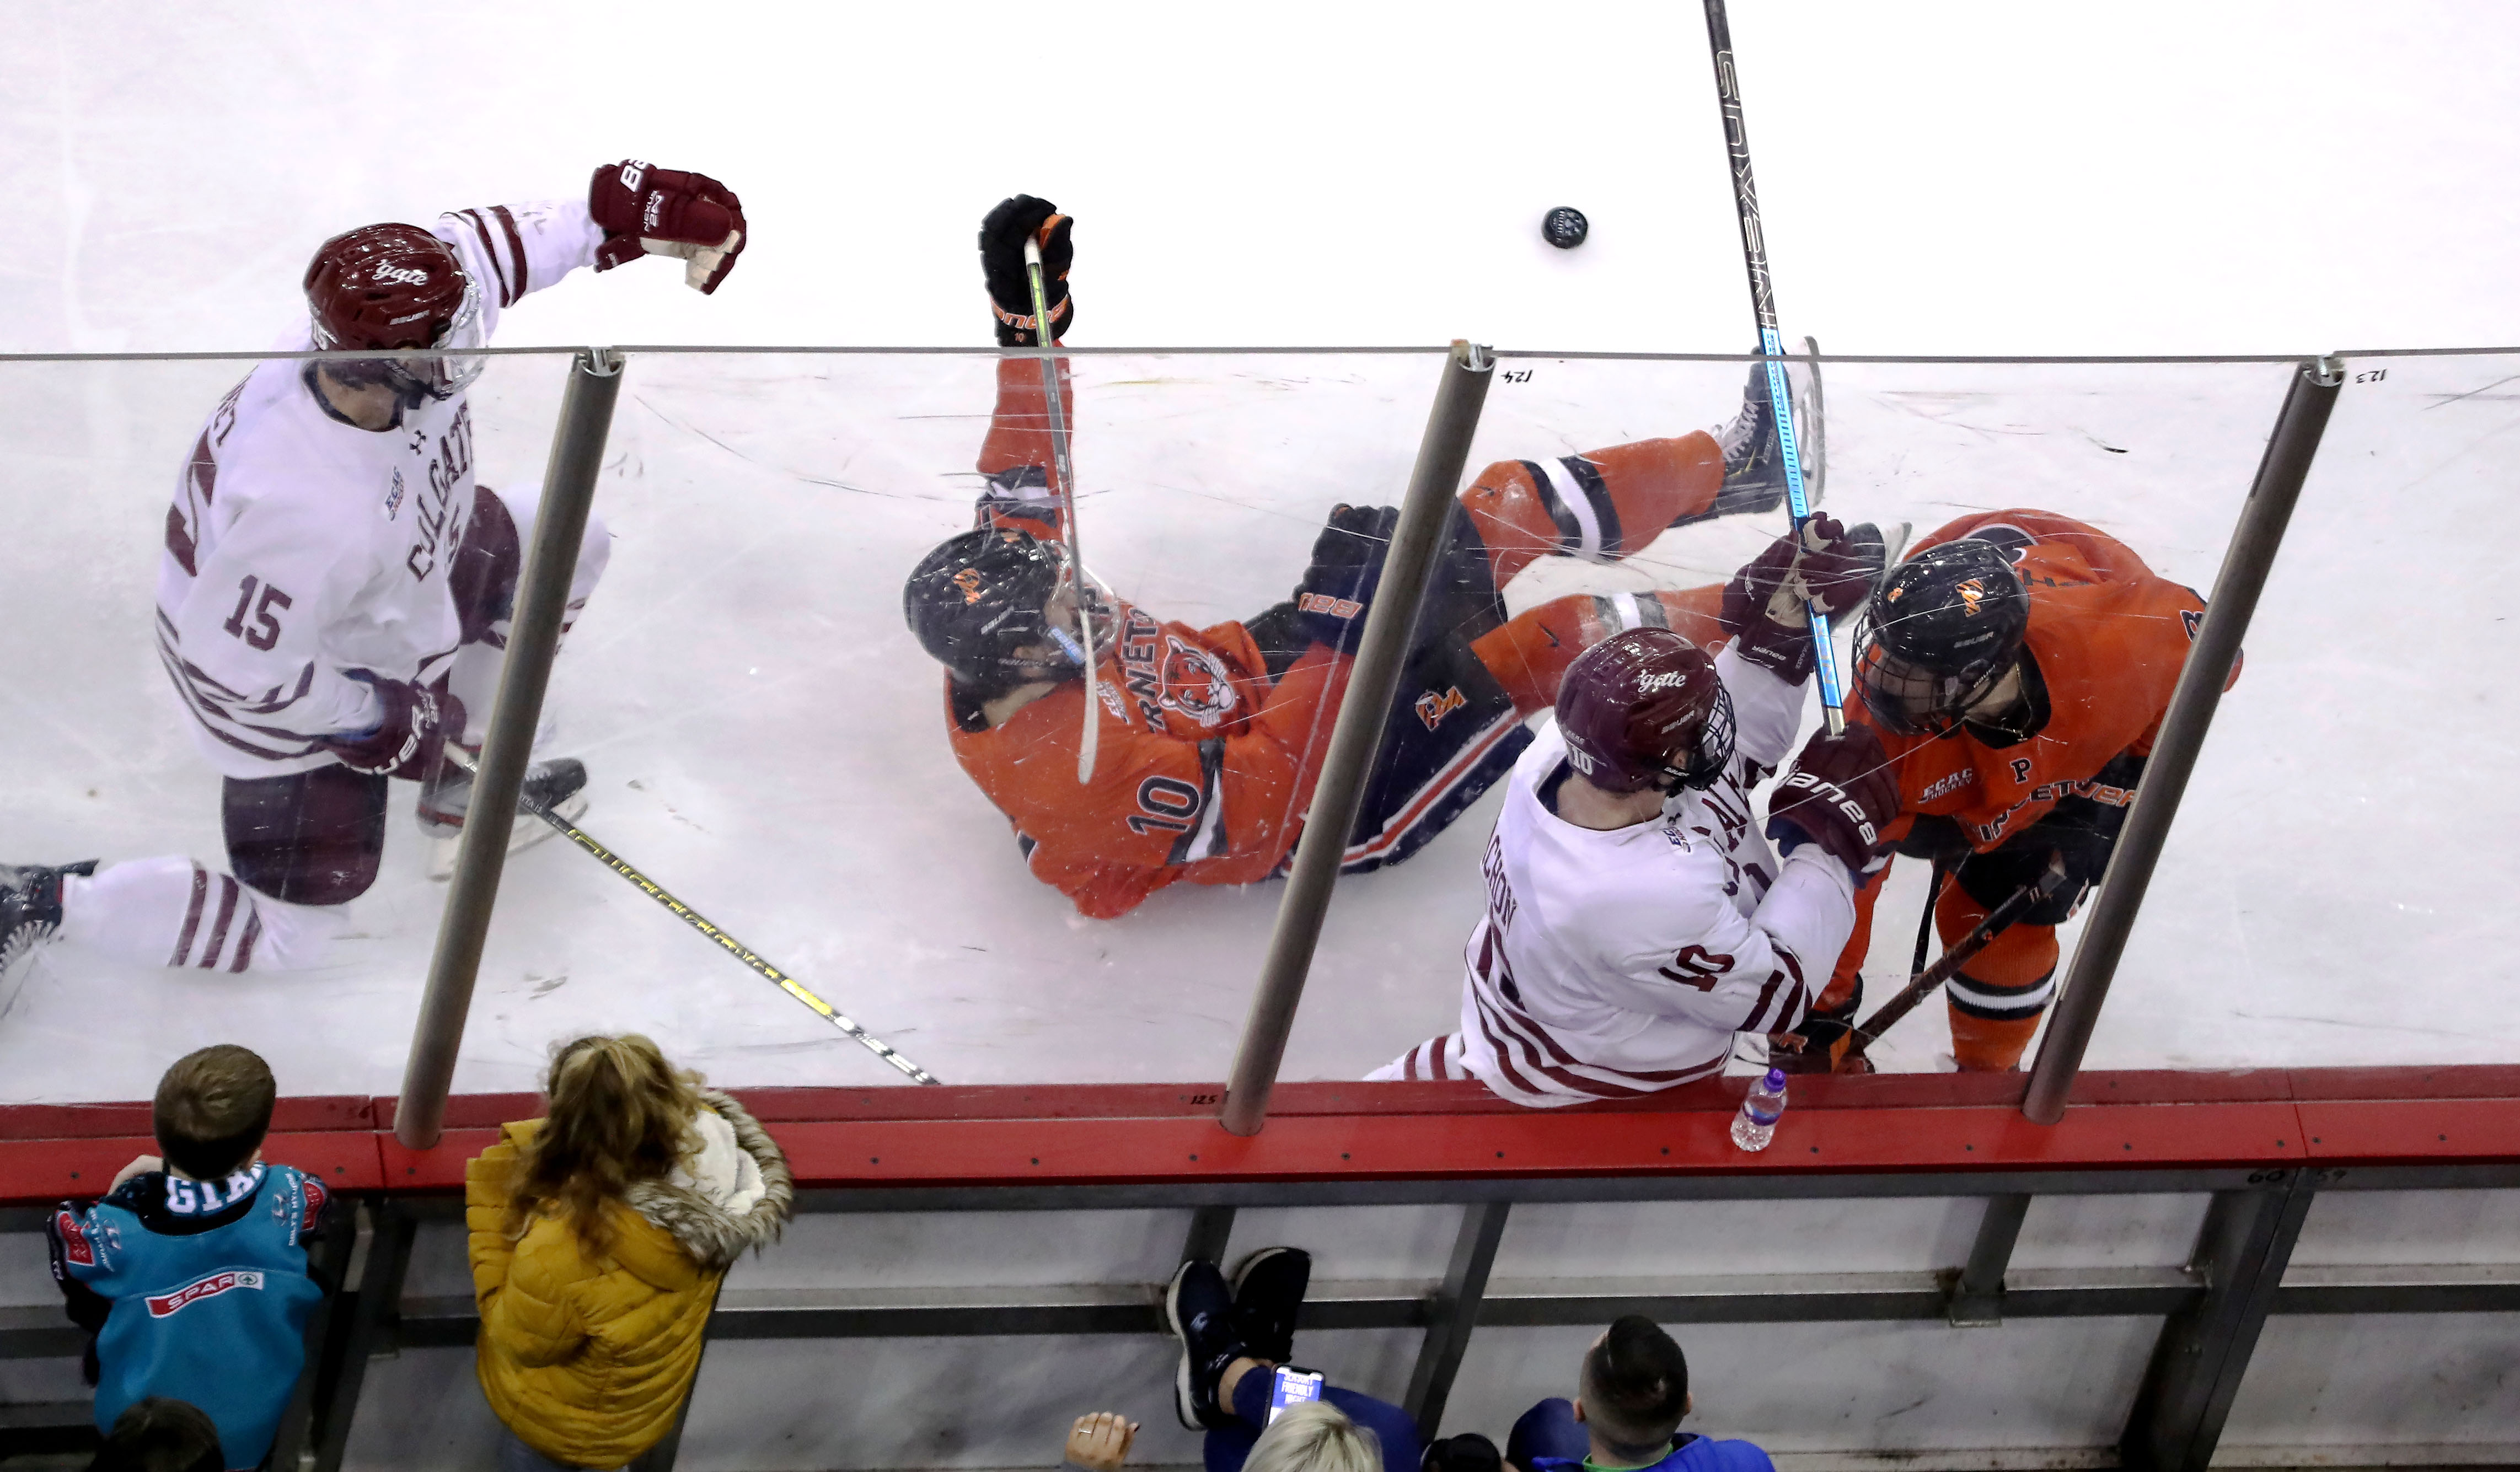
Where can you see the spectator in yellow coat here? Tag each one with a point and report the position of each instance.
(598, 1236)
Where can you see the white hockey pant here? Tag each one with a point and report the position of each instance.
(172, 912)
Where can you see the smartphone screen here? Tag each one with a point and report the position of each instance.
(1292, 1387)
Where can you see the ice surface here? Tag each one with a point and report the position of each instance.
(768, 742)
(1982, 177)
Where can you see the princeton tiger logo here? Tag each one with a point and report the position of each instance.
(1972, 595)
(1433, 708)
(970, 581)
(1196, 684)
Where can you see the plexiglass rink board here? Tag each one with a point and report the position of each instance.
(765, 738)
(103, 762)
(2338, 887)
(2155, 456)
(769, 741)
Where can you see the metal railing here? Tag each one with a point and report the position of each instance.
(578, 449)
(2214, 1307)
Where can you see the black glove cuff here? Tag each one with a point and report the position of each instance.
(1016, 327)
(1786, 654)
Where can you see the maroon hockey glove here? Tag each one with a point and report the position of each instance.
(645, 211)
(1002, 264)
(1841, 796)
(1337, 590)
(1763, 604)
(419, 721)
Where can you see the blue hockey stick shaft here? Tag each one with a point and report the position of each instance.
(1763, 303)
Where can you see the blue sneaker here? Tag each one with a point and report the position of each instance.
(1199, 1309)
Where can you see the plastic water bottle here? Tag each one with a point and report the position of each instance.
(1761, 1108)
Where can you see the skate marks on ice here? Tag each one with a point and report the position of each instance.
(764, 737)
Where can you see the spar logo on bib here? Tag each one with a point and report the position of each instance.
(164, 1306)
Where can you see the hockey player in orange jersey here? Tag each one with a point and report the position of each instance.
(1209, 739)
(2017, 665)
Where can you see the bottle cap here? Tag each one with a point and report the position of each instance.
(1775, 1081)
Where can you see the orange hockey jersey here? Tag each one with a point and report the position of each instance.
(2107, 637)
(1203, 767)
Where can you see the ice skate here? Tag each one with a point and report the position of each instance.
(30, 911)
(1754, 475)
(559, 786)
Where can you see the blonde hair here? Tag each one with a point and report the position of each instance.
(616, 1114)
(1314, 1437)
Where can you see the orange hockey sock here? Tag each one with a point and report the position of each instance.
(1986, 1045)
(1599, 506)
(1529, 653)
(1997, 999)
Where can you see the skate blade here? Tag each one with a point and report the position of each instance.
(17, 964)
(529, 832)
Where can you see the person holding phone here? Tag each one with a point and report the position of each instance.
(1261, 1412)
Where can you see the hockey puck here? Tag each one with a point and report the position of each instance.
(1565, 226)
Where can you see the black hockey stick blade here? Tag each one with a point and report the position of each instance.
(1863, 1034)
(699, 922)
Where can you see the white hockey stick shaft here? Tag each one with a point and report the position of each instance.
(688, 915)
(1060, 468)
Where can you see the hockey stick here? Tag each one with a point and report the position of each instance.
(1925, 922)
(1067, 499)
(1763, 304)
(1868, 1031)
(694, 918)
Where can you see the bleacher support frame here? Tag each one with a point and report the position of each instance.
(2263, 1144)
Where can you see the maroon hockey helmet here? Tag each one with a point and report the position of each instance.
(1645, 709)
(396, 287)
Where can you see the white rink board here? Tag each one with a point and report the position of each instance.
(767, 741)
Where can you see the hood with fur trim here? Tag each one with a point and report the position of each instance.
(713, 1236)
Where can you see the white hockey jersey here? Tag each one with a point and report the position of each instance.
(1614, 964)
(301, 549)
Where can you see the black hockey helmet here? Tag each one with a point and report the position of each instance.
(977, 598)
(1942, 628)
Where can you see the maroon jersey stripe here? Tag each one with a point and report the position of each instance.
(517, 252)
(192, 917)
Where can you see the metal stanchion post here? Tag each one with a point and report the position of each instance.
(2245, 563)
(542, 597)
(1358, 734)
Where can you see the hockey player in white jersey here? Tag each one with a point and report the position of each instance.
(1636, 918)
(334, 595)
